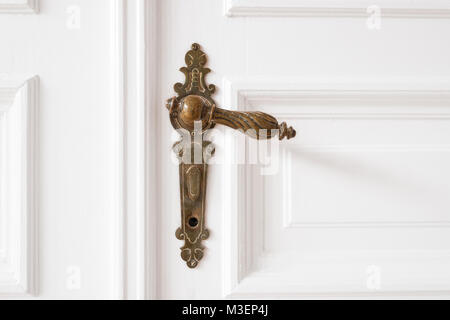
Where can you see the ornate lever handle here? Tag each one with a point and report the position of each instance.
(258, 125)
(195, 111)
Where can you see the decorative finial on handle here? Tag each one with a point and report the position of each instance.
(286, 132)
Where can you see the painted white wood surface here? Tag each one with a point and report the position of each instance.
(19, 101)
(356, 192)
(76, 252)
(358, 208)
(337, 8)
(19, 6)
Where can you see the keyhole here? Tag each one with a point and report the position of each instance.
(193, 222)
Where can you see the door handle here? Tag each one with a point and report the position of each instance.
(194, 112)
(257, 125)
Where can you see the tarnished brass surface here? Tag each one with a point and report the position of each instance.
(194, 111)
(192, 196)
(258, 125)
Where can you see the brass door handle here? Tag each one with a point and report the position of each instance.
(257, 125)
(195, 112)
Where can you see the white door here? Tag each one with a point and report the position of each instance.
(356, 205)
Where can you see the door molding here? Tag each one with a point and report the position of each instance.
(329, 8)
(243, 230)
(19, 6)
(18, 204)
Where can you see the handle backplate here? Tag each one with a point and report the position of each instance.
(193, 112)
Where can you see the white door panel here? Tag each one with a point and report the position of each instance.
(335, 8)
(66, 44)
(18, 213)
(360, 193)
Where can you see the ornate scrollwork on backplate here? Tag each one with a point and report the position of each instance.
(193, 177)
(192, 252)
(195, 73)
